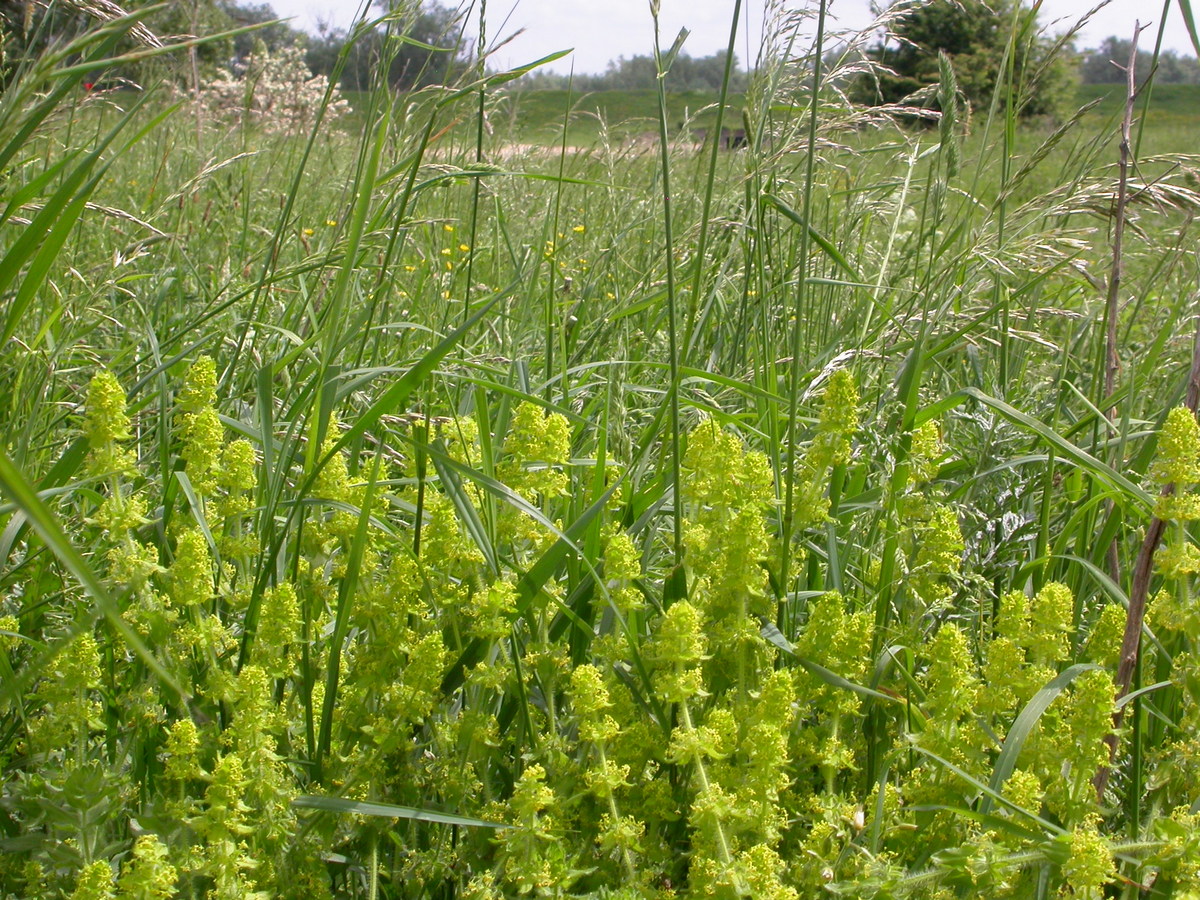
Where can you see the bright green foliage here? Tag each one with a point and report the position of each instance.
(1089, 864)
(726, 490)
(831, 739)
(237, 466)
(181, 751)
(934, 540)
(106, 425)
(1178, 454)
(231, 511)
(382, 559)
(536, 449)
(1177, 467)
(617, 835)
(838, 421)
(937, 562)
(148, 875)
(1104, 640)
(950, 688)
(1178, 859)
(678, 647)
(68, 699)
(95, 883)
(534, 857)
(201, 432)
(949, 682)
(221, 827)
(977, 38)
(199, 389)
(191, 574)
(1048, 636)
(622, 564)
(1177, 760)
(121, 511)
(1020, 657)
(279, 623)
(11, 626)
(754, 764)
(537, 444)
(926, 452)
(589, 696)
(831, 446)
(1070, 760)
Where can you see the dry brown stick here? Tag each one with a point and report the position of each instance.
(1112, 301)
(1111, 363)
(1133, 619)
(1139, 592)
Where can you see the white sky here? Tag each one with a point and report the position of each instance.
(600, 30)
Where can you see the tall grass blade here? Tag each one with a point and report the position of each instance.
(1023, 725)
(21, 493)
(343, 806)
(1189, 22)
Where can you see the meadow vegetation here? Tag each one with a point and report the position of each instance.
(387, 514)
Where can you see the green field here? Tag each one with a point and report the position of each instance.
(1166, 100)
(538, 116)
(392, 513)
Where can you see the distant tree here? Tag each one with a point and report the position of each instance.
(631, 74)
(688, 73)
(974, 35)
(411, 65)
(696, 73)
(1105, 65)
(275, 36)
(27, 28)
(195, 18)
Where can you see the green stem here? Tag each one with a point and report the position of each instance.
(798, 316)
(626, 857)
(702, 241)
(482, 51)
(705, 786)
(672, 316)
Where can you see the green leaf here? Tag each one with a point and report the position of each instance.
(664, 64)
(347, 594)
(389, 811)
(1015, 740)
(1080, 457)
(1189, 21)
(499, 78)
(14, 484)
(831, 678)
(396, 395)
(988, 792)
(452, 487)
(1141, 692)
(819, 239)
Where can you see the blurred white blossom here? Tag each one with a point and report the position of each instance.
(275, 90)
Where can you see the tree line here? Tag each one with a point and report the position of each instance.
(429, 42)
(1104, 65)
(687, 73)
(419, 42)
